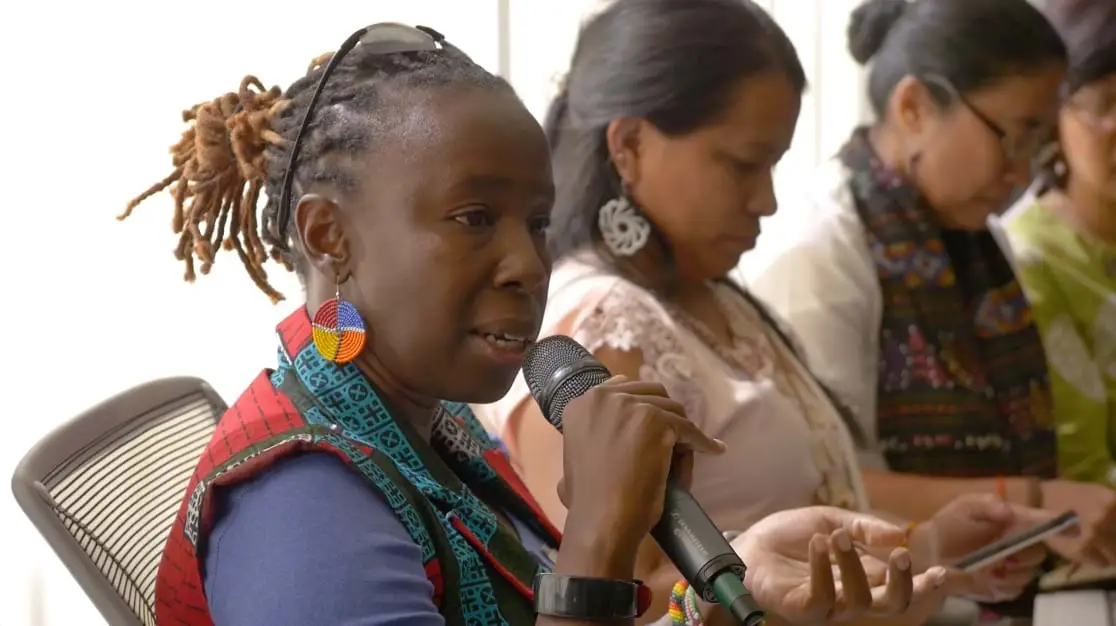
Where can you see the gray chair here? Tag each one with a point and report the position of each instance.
(104, 488)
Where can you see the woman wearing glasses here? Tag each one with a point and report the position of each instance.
(904, 302)
(350, 484)
(1064, 242)
(664, 136)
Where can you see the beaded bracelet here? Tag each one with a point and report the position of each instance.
(683, 605)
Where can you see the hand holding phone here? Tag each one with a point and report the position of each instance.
(999, 550)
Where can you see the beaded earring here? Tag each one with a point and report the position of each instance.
(338, 330)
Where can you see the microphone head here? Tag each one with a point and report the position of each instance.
(558, 369)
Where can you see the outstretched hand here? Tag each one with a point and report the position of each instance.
(1095, 505)
(816, 564)
(971, 522)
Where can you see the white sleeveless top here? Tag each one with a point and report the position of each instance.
(787, 446)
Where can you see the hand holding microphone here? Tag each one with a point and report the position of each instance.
(623, 439)
(627, 458)
(625, 455)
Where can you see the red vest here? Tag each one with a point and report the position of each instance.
(264, 426)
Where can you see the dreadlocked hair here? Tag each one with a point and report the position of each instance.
(237, 148)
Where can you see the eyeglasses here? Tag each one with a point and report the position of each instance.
(383, 38)
(1014, 147)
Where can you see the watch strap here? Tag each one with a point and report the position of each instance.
(592, 599)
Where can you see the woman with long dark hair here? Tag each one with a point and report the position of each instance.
(905, 303)
(350, 484)
(664, 137)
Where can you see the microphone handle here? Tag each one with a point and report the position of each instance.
(702, 554)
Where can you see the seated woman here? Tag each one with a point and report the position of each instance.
(905, 304)
(1064, 242)
(350, 484)
(664, 138)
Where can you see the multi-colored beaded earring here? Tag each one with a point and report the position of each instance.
(339, 332)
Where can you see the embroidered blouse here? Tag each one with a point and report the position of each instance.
(1070, 280)
(815, 267)
(787, 445)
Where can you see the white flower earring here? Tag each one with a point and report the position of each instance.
(624, 229)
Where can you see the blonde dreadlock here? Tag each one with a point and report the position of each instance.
(220, 169)
(237, 146)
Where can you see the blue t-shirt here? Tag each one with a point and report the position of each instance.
(309, 542)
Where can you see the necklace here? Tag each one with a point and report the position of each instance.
(743, 352)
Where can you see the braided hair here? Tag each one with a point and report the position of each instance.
(237, 148)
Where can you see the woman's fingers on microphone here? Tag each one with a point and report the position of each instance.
(664, 403)
(691, 437)
(682, 467)
(622, 384)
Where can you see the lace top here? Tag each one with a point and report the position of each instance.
(787, 446)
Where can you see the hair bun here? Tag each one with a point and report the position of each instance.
(869, 25)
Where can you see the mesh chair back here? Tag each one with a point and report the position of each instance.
(104, 489)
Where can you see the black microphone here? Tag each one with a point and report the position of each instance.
(558, 369)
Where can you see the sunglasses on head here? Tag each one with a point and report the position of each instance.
(382, 38)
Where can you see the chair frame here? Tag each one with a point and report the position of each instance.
(72, 439)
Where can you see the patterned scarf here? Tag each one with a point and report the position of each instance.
(963, 387)
(450, 472)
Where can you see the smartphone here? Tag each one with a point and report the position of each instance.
(1000, 550)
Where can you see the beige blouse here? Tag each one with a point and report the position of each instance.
(787, 446)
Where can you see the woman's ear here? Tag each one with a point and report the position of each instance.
(321, 234)
(910, 105)
(623, 137)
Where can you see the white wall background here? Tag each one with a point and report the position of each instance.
(91, 98)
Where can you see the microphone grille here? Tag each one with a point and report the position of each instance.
(546, 356)
(544, 359)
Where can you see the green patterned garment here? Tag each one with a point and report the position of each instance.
(1070, 279)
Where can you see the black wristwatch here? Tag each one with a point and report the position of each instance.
(592, 599)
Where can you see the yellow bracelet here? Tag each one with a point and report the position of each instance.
(677, 608)
(911, 526)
